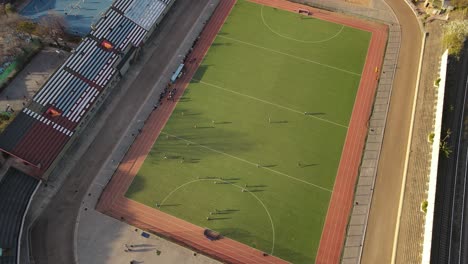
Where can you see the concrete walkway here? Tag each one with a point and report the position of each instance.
(383, 161)
(411, 231)
(27, 82)
(59, 200)
(101, 240)
(377, 10)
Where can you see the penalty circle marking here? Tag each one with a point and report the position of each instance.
(235, 185)
(294, 39)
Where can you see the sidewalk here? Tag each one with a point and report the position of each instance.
(102, 240)
(31, 78)
(411, 231)
(70, 180)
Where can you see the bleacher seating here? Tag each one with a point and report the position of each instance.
(39, 133)
(119, 30)
(16, 189)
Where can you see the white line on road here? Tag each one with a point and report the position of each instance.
(455, 179)
(464, 180)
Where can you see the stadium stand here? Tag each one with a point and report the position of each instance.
(45, 128)
(42, 131)
(145, 13)
(16, 189)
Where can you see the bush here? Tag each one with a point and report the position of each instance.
(459, 3)
(455, 34)
(9, 8)
(5, 120)
(27, 27)
(430, 137)
(4, 116)
(424, 206)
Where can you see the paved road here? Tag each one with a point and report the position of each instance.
(463, 149)
(380, 233)
(450, 234)
(53, 233)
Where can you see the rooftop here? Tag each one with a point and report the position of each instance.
(42, 129)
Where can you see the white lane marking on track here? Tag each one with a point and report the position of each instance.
(255, 196)
(248, 162)
(267, 102)
(290, 55)
(294, 39)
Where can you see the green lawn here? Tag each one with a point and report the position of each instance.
(242, 119)
(7, 71)
(30, 49)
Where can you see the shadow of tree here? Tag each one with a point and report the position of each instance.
(202, 69)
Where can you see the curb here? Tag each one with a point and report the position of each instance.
(410, 136)
(134, 123)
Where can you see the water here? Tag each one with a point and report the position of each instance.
(79, 14)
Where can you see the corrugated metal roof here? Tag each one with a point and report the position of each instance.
(16, 189)
(145, 12)
(39, 133)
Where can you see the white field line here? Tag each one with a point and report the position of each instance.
(298, 40)
(251, 163)
(255, 196)
(290, 55)
(270, 103)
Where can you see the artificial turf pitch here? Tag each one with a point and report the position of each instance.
(268, 109)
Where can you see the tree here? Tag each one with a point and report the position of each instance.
(52, 26)
(459, 3)
(455, 34)
(27, 27)
(10, 41)
(9, 9)
(444, 146)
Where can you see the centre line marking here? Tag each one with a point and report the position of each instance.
(267, 102)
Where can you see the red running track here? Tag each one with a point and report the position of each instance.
(334, 230)
(114, 203)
